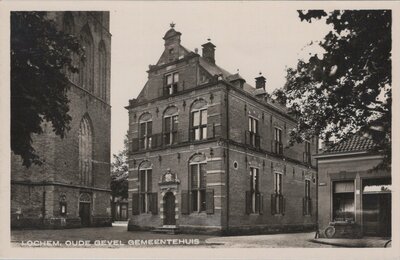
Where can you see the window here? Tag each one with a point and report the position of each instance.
(145, 189)
(145, 133)
(198, 186)
(278, 183)
(171, 86)
(277, 199)
(170, 129)
(307, 152)
(86, 72)
(85, 151)
(102, 71)
(343, 201)
(277, 143)
(63, 208)
(199, 124)
(253, 132)
(307, 198)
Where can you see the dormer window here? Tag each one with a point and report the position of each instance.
(172, 83)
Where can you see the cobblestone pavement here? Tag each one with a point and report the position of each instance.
(269, 241)
(118, 236)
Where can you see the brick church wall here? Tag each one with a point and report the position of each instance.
(59, 174)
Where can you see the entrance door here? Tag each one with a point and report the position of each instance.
(169, 209)
(84, 213)
(377, 214)
(124, 211)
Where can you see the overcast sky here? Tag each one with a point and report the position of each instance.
(250, 36)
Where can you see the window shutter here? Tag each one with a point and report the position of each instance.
(185, 202)
(310, 207)
(248, 202)
(135, 203)
(273, 204)
(257, 203)
(210, 201)
(261, 203)
(149, 180)
(154, 203)
(304, 206)
(135, 145)
(283, 204)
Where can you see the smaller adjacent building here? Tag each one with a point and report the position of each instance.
(354, 196)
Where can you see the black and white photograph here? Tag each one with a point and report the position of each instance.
(197, 129)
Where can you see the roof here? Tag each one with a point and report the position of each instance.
(234, 77)
(355, 143)
(170, 33)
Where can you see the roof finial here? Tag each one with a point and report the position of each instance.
(260, 73)
(172, 24)
(208, 39)
(237, 70)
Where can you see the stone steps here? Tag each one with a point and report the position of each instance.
(166, 230)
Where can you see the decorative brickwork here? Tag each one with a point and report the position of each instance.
(223, 130)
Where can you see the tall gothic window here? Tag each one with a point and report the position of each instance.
(69, 28)
(86, 66)
(102, 71)
(68, 23)
(85, 151)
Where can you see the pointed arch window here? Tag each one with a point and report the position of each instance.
(85, 151)
(86, 66)
(68, 23)
(69, 28)
(102, 71)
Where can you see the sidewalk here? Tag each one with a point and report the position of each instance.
(377, 242)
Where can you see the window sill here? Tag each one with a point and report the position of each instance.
(278, 215)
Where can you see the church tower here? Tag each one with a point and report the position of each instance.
(72, 187)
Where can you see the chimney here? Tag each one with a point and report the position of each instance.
(260, 81)
(209, 52)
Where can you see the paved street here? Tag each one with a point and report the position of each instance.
(118, 236)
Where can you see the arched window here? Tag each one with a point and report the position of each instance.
(69, 28)
(145, 131)
(85, 151)
(102, 71)
(68, 23)
(170, 125)
(145, 186)
(86, 66)
(197, 176)
(198, 118)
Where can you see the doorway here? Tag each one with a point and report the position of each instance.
(84, 213)
(169, 209)
(377, 215)
(376, 203)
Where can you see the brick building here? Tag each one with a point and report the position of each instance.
(354, 195)
(209, 152)
(72, 187)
